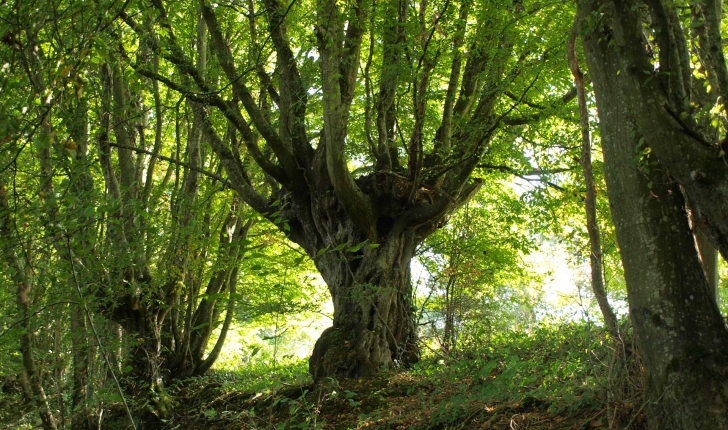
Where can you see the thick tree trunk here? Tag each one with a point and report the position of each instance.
(679, 331)
(144, 381)
(666, 111)
(366, 269)
(373, 325)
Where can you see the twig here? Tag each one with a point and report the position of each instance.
(65, 302)
(645, 404)
(592, 418)
(214, 176)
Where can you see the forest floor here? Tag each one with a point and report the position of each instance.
(552, 379)
(557, 377)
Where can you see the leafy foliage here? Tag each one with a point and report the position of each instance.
(180, 180)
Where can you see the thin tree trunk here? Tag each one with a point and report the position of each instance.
(20, 271)
(592, 226)
(58, 365)
(79, 397)
(448, 334)
(23, 284)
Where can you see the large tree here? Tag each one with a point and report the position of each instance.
(677, 82)
(373, 118)
(659, 146)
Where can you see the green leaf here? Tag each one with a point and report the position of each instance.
(198, 327)
(357, 247)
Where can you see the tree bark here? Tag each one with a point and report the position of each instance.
(373, 312)
(678, 328)
(665, 116)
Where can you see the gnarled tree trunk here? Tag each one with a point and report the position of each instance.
(373, 311)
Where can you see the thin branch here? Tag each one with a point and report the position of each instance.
(211, 98)
(211, 175)
(525, 175)
(10, 327)
(524, 120)
(243, 93)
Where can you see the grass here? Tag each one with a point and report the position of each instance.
(556, 377)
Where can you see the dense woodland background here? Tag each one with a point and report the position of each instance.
(363, 214)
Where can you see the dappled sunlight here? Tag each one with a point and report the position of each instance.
(257, 342)
(518, 209)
